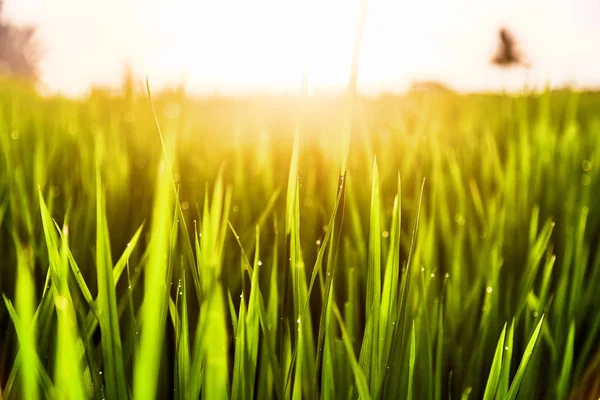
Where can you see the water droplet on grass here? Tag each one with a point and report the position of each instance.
(586, 165)
(54, 191)
(585, 180)
(459, 219)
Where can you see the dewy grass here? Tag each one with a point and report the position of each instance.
(237, 259)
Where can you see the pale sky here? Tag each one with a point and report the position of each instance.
(237, 47)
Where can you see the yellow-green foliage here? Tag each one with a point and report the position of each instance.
(452, 251)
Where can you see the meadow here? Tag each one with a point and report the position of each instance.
(424, 246)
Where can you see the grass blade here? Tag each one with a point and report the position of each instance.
(495, 370)
(114, 372)
(359, 377)
(516, 383)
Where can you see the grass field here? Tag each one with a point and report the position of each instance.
(240, 254)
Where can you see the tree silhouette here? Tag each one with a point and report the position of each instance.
(508, 53)
(18, 50)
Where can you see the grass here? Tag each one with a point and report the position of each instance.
(451, 252)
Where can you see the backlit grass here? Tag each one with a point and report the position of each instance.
(242, 253)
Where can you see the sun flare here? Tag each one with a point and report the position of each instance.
(251, 44)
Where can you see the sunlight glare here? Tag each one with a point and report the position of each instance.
(253, 45)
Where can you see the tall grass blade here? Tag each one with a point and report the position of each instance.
(359, 377)
(114, 372)
(495, 370)
(516, 383)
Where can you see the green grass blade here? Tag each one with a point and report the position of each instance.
(216, 376)
(369, 354)
(495, 370)
(25, 295)
(155, 303)
(124, 259)
(239, 390)
(69, 377)
(411, 363)
(183, 344)
(112, 350)
(566, 370)
(516, 383)
(390, 284)
(29, 359)
(504, 382)
(360, 379)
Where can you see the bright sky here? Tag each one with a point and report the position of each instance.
(236, 47)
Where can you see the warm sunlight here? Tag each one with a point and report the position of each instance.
(251, 45)
(268, 44)
(233, 47)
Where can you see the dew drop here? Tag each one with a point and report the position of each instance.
(586, 165)
(585, 180)
(459, 219)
